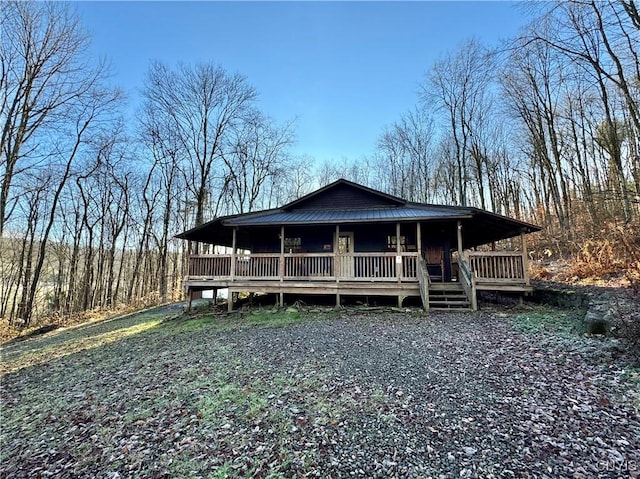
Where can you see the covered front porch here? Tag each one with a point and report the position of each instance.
(348, 239)
(365, 260)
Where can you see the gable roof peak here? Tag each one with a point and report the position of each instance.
(344, 194)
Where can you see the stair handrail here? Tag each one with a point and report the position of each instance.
(468, 281)
(424, 280)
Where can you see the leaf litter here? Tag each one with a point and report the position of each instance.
(367, 394)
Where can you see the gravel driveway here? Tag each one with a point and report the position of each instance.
(461, 395)
(359, 394)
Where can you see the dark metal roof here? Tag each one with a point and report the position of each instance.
(480, 226)
(347, 216)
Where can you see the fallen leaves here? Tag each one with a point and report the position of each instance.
(387, 394)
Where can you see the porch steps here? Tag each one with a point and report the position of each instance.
(448, 296)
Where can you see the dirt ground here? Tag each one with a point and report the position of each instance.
(322, 393)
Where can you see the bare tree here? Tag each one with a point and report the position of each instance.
(203, 104)
(459, 85)
(603, 36)
(52, 98)
(44, 74)
(255, 153)
(571, 78)
(161, 196)
(532, 82)
(404, 154)
(295, 182)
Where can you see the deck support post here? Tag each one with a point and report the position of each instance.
(474, 297)
(230, 297)
(337, 300)
(190, 294)
(281, 299)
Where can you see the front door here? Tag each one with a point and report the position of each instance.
(344, 250)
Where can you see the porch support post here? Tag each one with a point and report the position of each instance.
(398, 256)
(233, 254)
(281, 268)
(230, 294)
(525, 257)
(459, 240)
(419, 239)
(188, 258)
(336, 262)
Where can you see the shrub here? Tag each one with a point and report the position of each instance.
(626, 322)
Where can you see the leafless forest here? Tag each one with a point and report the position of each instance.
(544, 127)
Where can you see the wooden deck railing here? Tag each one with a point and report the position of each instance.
(258, 266)
(308, 266)
(483, 267)
(410, 266)
(218, 265)
(372, 265)
(354, 266)
(497, 267)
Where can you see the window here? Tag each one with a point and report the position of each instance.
(392, 243)
(292, 245)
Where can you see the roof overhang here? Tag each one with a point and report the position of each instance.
(344, 203)
(479, 227)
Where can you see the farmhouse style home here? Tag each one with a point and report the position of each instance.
(348, 239)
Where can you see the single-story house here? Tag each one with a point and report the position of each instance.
(348, 239)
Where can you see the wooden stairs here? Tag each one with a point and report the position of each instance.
(448, 296)
(444, 295)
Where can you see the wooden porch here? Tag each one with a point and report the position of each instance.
(348, 239)
(401, 274)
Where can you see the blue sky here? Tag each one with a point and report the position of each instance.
(344, 70)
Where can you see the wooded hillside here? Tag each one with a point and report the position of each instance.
(544, 127)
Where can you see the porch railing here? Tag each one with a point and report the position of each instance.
(258, 266)
(308, 266)
(354, 266)
(373, 266)
(218, 265)
(497, 267)
(485, 267)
